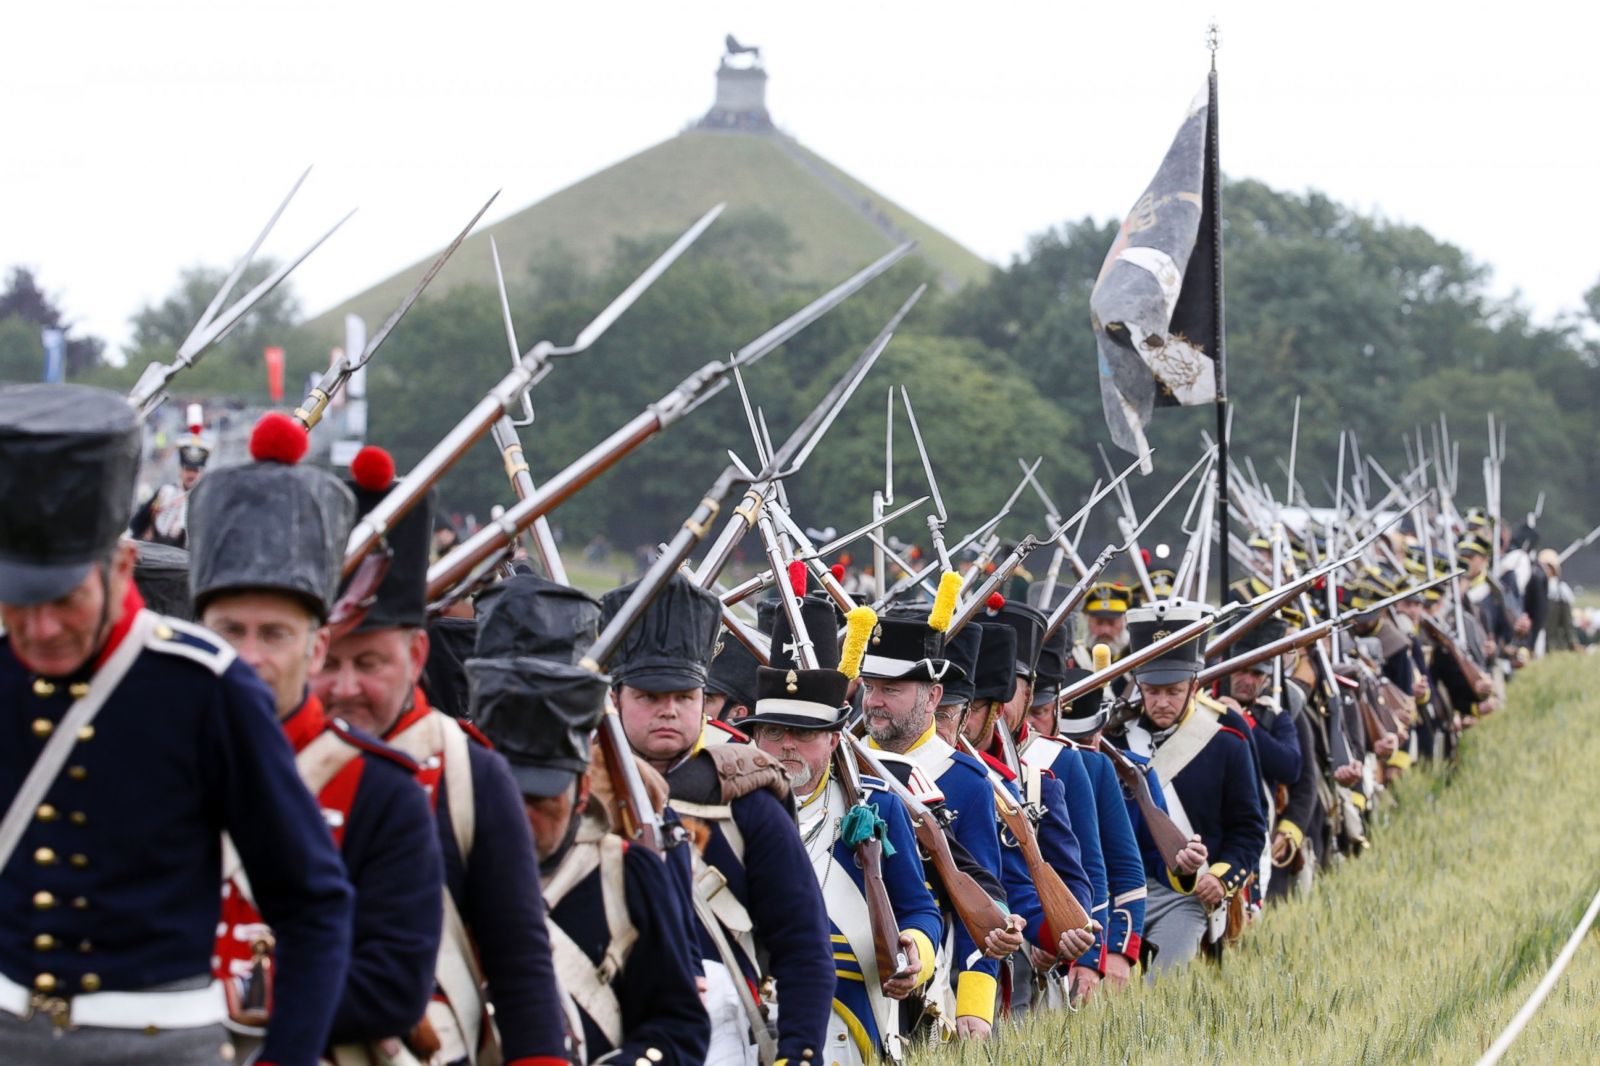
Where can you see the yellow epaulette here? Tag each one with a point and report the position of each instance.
(1203, 700)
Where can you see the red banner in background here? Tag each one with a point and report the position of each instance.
(274, 358)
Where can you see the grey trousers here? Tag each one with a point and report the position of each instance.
(1173, 922)
(37, 1040)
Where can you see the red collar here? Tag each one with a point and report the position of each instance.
(306, 722)
(419, 710)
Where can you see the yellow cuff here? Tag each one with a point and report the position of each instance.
(975, 996)
(1400, 760)
(1219, 870)
(1359, 799)
(924, 952)
(1295, 834)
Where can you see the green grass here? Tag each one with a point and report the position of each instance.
(1418, 952)
(662, 190)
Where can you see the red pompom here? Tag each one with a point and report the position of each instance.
(278, 438)
(797, 577)
(995, 601)
(373, 469)
(837, 570)
(1144, 553)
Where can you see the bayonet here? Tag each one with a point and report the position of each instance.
(311, 409)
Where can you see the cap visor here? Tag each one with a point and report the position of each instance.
(27, 584)
(542, 781)
(790, 721)
(1077, 727)
(661, 679)
(1163, 674)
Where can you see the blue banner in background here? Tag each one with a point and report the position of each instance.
(55, 355)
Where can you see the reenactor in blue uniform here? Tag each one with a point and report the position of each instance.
(751, 881)
(494, 926)
(1048, 780)
(798, 718)
(1105, 621)
(1285, 752)
(268, 538)
(623, 947)
(903, 682)
(1208, 776)
(1119, 944)
(134, 742)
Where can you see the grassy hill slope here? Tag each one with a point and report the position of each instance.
(837, 223)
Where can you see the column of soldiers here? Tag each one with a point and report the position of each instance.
(250, 818)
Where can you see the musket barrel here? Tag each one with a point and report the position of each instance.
(491, 538)
(371, 529)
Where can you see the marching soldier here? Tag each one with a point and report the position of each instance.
(903, 680)
(493, 926)
(1117, 949)
(798, 718)
(1285, 752)
(110, 891)
(164, 517)
(1209, 780)
(751, 881)
(621, 942)
(268, 539)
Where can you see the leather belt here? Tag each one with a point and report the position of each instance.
(192, 1008)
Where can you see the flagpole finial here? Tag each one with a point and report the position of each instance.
(1213, 41)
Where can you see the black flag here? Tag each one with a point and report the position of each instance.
(1157, 305)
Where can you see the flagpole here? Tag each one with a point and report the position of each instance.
(1218, 332)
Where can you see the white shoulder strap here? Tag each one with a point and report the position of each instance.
(458, 782)
(56, 750)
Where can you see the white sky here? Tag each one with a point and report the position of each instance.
(142, 137)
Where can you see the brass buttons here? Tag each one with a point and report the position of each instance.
(78, 689)
(653, 1054)
(44, 856)
(79, 861)
(46, 813)
(77, 773)
(44, 942)
(43, 900)
(89, 982)
(43, 688)
(78, 818)
(84, 947)
(164, 632)
(85, 734)
(45, 982)
(80, 903)
(43, 727)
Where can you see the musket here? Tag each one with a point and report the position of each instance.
(992, 544)
(1169, 839)
(979, 913)
(1277, 597)
(1582, 542)
(498, 402)
(1063, 610)
(1300, 638)
(938, 517)
(310, 411)
(917, 576)
(1473, 674)
(1062, 911)
(1135, 659)
(686, 397)
(885, 498)
(891, 960)
(815, 425)
(638, 821)
(1129, 527)
(149, 391)
(510, 445)
(813, 555)
(1066, 549)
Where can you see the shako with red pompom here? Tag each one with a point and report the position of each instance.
(278, 438)
(372, 469)
(995, 602)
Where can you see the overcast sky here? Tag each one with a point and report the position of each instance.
(143, 137)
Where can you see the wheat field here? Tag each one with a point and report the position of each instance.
(1418, 952)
